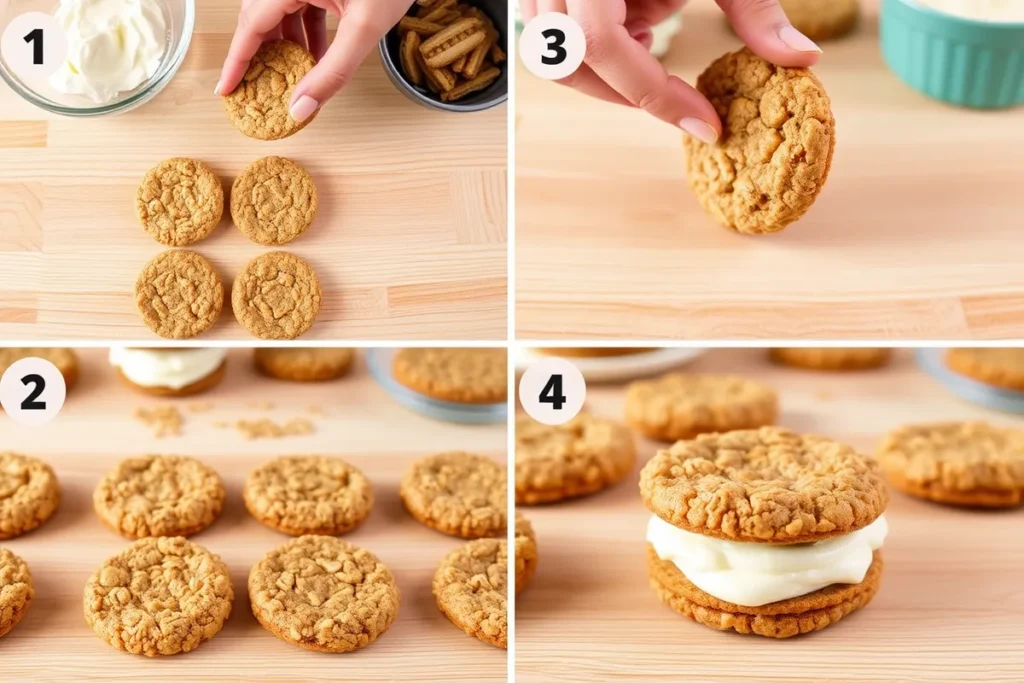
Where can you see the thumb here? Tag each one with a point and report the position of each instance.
(763, 26)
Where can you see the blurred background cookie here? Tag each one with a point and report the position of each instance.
(457, 375)
(304, 365)
(998, 367)
(831, 358)
(66, 360)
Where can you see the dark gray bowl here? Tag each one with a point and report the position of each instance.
(493, 95)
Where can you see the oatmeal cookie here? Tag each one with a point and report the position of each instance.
(161, 596)
(822, 20)
(179, 294)
(308, 495)
(471, 588)
(16, 590)
(683, 405)
(273, 201)
(457, 375)
(782, 619)
(999, 367)
(321, 593)
(180, 202)
(959, 463)
(159, 495)
(276, 296)
(259, 106)
(767, 485)
(776, 147)
(29, 494)
(526, 552)
(832, 358)
(66, 360)
(304, 365)
(582, 456)
(460, 494)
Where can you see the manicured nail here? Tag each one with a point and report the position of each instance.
(303, 108)
(216, 91)
(796, 40)
(701, 130)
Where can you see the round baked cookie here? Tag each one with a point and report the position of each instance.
(276, 296)
(323, 594)
(471, 589)
(832, 358)
(179, 294)
(29, 494)
(782, 619)
(179, 202)
(273, 201)
(775, 151)
(998, 367)
(304, 365)
(585, 455)
(160, 596)
(460, 494)
(259, 106)
(66, 360)
(822, 20)
(592, 353)
(159, 495)
(959, 463)
(16, 590)
(457, 375)
(683, 405)
(767, 485)
(526, 552)
(308, 495)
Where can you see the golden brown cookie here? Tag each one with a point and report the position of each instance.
(959, 463)
(999, 367)
(526, 552)
(682, 405)
(16, 590)
(822, 20)
(260, 106)
(776, 147)
(273, 201)
(304, 365)
(308, 495)
(471, 588)
(66, 360)
(159, 495)
(160, 596)
(460, 494)
(323, 594)
(767, 485)
(582, 456)
(592, 353)
(199, 386)
(782, 619)
(179, 294)
(276, 296)
(179, 202)
(458, 375)
(832, 358)
(29, 494)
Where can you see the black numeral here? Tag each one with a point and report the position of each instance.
(35, 36)
(552, 393)
(31, 403)
(556, 39)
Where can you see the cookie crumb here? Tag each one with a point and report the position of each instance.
(163, 420)
(265, 428)
(199, 407)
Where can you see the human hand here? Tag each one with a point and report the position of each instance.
(362, 24)
(619, 67)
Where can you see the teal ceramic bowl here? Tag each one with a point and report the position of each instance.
(965, 62)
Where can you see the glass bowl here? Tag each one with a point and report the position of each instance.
(179, 15)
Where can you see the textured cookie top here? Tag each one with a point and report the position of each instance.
(324, 594)
(957, 456)
(525, 551)
(999, 367)
(276, 296)
(765, 485)
(273, 201)
(16, 589)
(259, 106)
(821, 20)
(304, 365)
(161, 596)
(180, 201)
(778, 135)
(179, 294)
(29, 494)
(459, 375)
(457, 493)
(159, 495)
(65, 359)
(471, 588)
(311, 494)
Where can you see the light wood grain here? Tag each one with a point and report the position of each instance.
(360, 422)
(913, 237)
(409, 241)
(949, 608)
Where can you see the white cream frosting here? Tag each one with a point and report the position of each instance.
(754, 574)
(171, 368)
(1008, 11)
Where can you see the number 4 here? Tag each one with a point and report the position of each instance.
(552, 393)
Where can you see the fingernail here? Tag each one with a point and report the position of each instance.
(216, 91)
(701, 130)
(796, 40)
(304, 108)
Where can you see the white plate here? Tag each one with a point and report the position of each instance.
(618, 368)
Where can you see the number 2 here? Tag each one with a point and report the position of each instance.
(556, 39)
(31, 403)
(35, 36)
(552, 393)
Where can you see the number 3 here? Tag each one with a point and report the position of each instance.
(556, 39)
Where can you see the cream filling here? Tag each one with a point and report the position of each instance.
(170, 368)
(1000, 11)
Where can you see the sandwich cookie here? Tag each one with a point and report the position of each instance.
(170, 372)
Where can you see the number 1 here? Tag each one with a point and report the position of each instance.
(35, 37)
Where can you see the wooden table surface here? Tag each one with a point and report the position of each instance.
(950, 606)
(915, 236)
(96, 429)
(409, 241)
